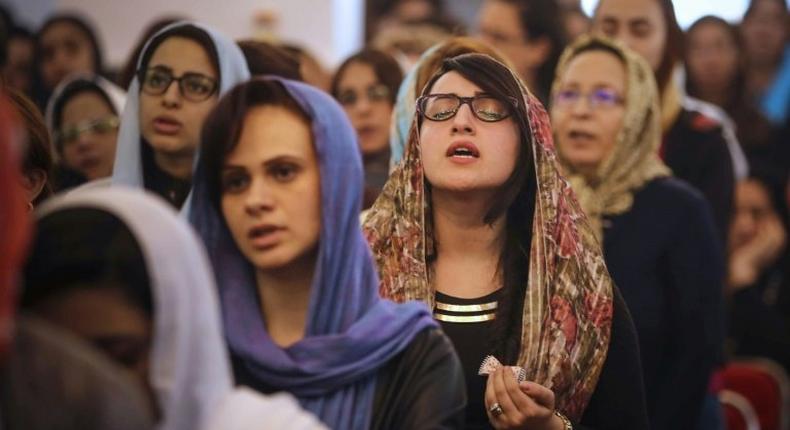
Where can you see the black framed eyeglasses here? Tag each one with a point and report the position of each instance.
(441, 107)
(193, 86)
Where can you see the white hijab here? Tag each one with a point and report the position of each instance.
(190, 371)
(114, 94)
(233, 70)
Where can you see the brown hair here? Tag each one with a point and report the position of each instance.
(386, 69)
(266, 59)
(224, 124)
(38, 153)
(449, 49)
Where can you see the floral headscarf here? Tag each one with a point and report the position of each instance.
(634, 160)
(567, 310)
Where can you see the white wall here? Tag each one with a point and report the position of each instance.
(331, 29)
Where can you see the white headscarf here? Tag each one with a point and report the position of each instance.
(114, 94)
(233, 69)
(190, 372)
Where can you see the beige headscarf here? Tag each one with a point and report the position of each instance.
(567, 309)
(634, 160)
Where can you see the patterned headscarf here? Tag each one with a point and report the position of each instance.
(634, 160)
(567, 309)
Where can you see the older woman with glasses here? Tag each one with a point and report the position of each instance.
(658, 233)
(181, 73)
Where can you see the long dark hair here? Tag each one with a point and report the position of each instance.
(224, 124)
(515, 198)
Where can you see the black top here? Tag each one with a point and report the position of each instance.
(618, 401)
(172, 189)
(696, 151)
(421, 388)
(666, 259)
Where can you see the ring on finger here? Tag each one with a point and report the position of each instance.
(496, 410)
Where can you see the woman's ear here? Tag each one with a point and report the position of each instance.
(34, 182)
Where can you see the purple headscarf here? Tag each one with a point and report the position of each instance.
(351, 332)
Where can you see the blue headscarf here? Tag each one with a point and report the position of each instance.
(233, 69)
(351, 332)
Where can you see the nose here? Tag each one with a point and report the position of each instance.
(581, 108)
(172, 95)
(84, 140)
(463, 121)
(259, 198)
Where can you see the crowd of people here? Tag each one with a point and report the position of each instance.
(546, 220)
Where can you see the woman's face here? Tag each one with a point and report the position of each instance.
(445, 145)
(639, 24)
(765, 33)
(753, 207)
(107, 319)
(169, 122)
(712, 59)
(65, 49)
(367, 103)
(90, 129)
(19, 63)
(587, 112)
(271, 196)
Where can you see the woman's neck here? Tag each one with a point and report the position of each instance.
(285, 297)
(176, 165)
(467, 248)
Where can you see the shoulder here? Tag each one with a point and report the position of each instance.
(673, 192)
(430, 344)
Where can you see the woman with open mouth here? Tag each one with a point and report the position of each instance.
(658, 234)
(278, 190)
(477, 222)
(181, 73)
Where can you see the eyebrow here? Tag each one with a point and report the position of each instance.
(275, 160)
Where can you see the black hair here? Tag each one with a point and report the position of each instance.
(187, 31)
(73, 89)
(224, 124)
(516, 197)
(85, 248)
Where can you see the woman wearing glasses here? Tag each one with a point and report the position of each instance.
(181, 72)
(365, 85)
(658, 233)
(82, 116)
(477, 222)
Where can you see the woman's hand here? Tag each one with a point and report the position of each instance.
(523, 406)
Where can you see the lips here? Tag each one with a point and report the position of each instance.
(265, 236)
(463, 150)
(167, 125)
